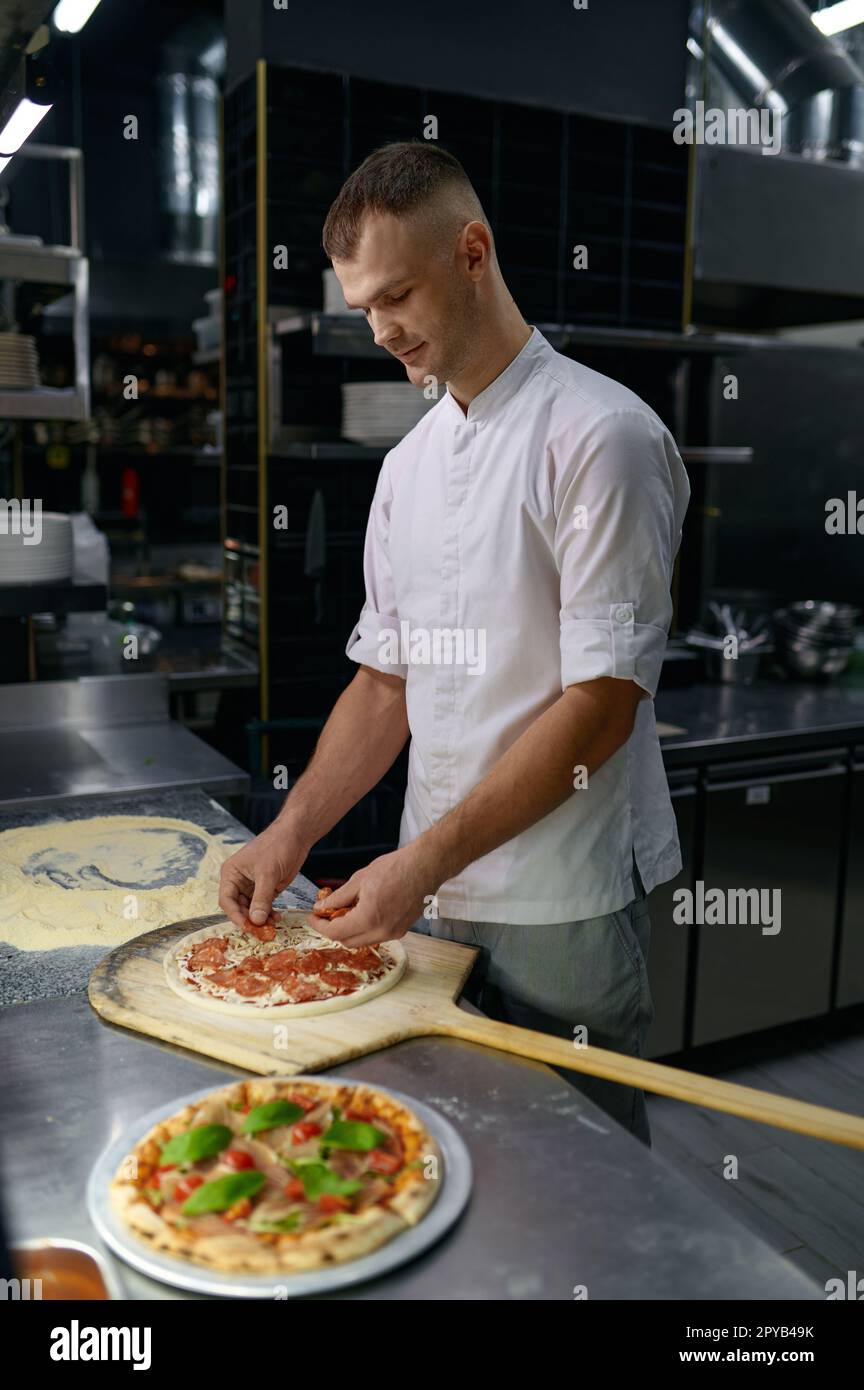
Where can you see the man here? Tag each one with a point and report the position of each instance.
(518, 563)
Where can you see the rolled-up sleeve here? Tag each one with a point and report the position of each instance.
(367, 644)
(617, 530)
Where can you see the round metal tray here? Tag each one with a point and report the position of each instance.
(448, 1206)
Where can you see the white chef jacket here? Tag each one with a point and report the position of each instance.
(544, 524)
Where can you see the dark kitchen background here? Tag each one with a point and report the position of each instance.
(726, 287)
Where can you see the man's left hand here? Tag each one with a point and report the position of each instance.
(385, 899)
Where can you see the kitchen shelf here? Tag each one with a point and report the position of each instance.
(55, 265)
(341, 335)
(717, 454)
(39, 265)
(20, 600)
(44, 403)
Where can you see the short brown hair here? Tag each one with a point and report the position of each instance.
(399, 179)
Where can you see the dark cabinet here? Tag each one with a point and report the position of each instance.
(850, 981)
(774, 824)
(667, 955)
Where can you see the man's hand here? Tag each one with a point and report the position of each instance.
(251, 878)
(386, 898)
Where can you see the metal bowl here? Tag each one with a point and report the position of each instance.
(804, 660)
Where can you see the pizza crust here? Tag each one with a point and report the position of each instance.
(238, 1251)
(248, 1008)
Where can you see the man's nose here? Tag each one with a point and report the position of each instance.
(384, 330)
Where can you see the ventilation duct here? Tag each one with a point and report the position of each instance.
(188, 100)
(773, 54)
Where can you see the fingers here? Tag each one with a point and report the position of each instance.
(332, 902)
(233, 897)
(266, 887)
(354, 929)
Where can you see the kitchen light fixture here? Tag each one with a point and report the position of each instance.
(20, 125)
(844, 15)
(70, 16)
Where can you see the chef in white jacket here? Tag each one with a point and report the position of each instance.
(518, 564)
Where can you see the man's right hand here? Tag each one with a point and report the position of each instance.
(251, 878)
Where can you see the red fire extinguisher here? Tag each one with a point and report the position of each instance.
(130, 492)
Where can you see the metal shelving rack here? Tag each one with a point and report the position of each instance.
(55, 265)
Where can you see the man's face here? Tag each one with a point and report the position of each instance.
(419, 300)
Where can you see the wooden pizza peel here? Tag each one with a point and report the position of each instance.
(129, 988)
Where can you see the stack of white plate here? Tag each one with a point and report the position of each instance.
(19, 364)
(381, 412)
(334, 299)
(24, 562)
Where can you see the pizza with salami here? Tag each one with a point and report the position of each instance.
(277, 1175)
(284, 967)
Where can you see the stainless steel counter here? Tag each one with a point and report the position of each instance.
(100, 737)
(563, 1196)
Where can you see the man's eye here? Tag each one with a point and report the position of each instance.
(397, 298)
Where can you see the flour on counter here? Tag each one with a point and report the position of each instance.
(76, 883)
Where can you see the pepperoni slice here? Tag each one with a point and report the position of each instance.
(210, 952)
(343, 981)
(252, 985)
(280, 962)
(250, 966)
(301, 991)
(266, 932)
(222, 977)
(341, 955)
(313, 961)
(365, 958)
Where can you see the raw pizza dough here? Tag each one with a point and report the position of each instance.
(289, 925)
(383, 1206)
(104, 879)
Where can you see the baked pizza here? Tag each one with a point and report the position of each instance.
(268, 1176)
(285, 968)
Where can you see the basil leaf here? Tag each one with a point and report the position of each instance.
(276, 1112)
(353, 1134)
(222, 1193)
(318, 1179)
(202, 1142)
(285, 1223)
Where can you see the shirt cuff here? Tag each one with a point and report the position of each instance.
(614, 645)
(368, 644)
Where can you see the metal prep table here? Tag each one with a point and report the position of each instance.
(98, 736)
(562, 1195)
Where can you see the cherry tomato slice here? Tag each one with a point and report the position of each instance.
(303, 1130)
(332, 1201)
(186, 1186)
(238, 1159)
